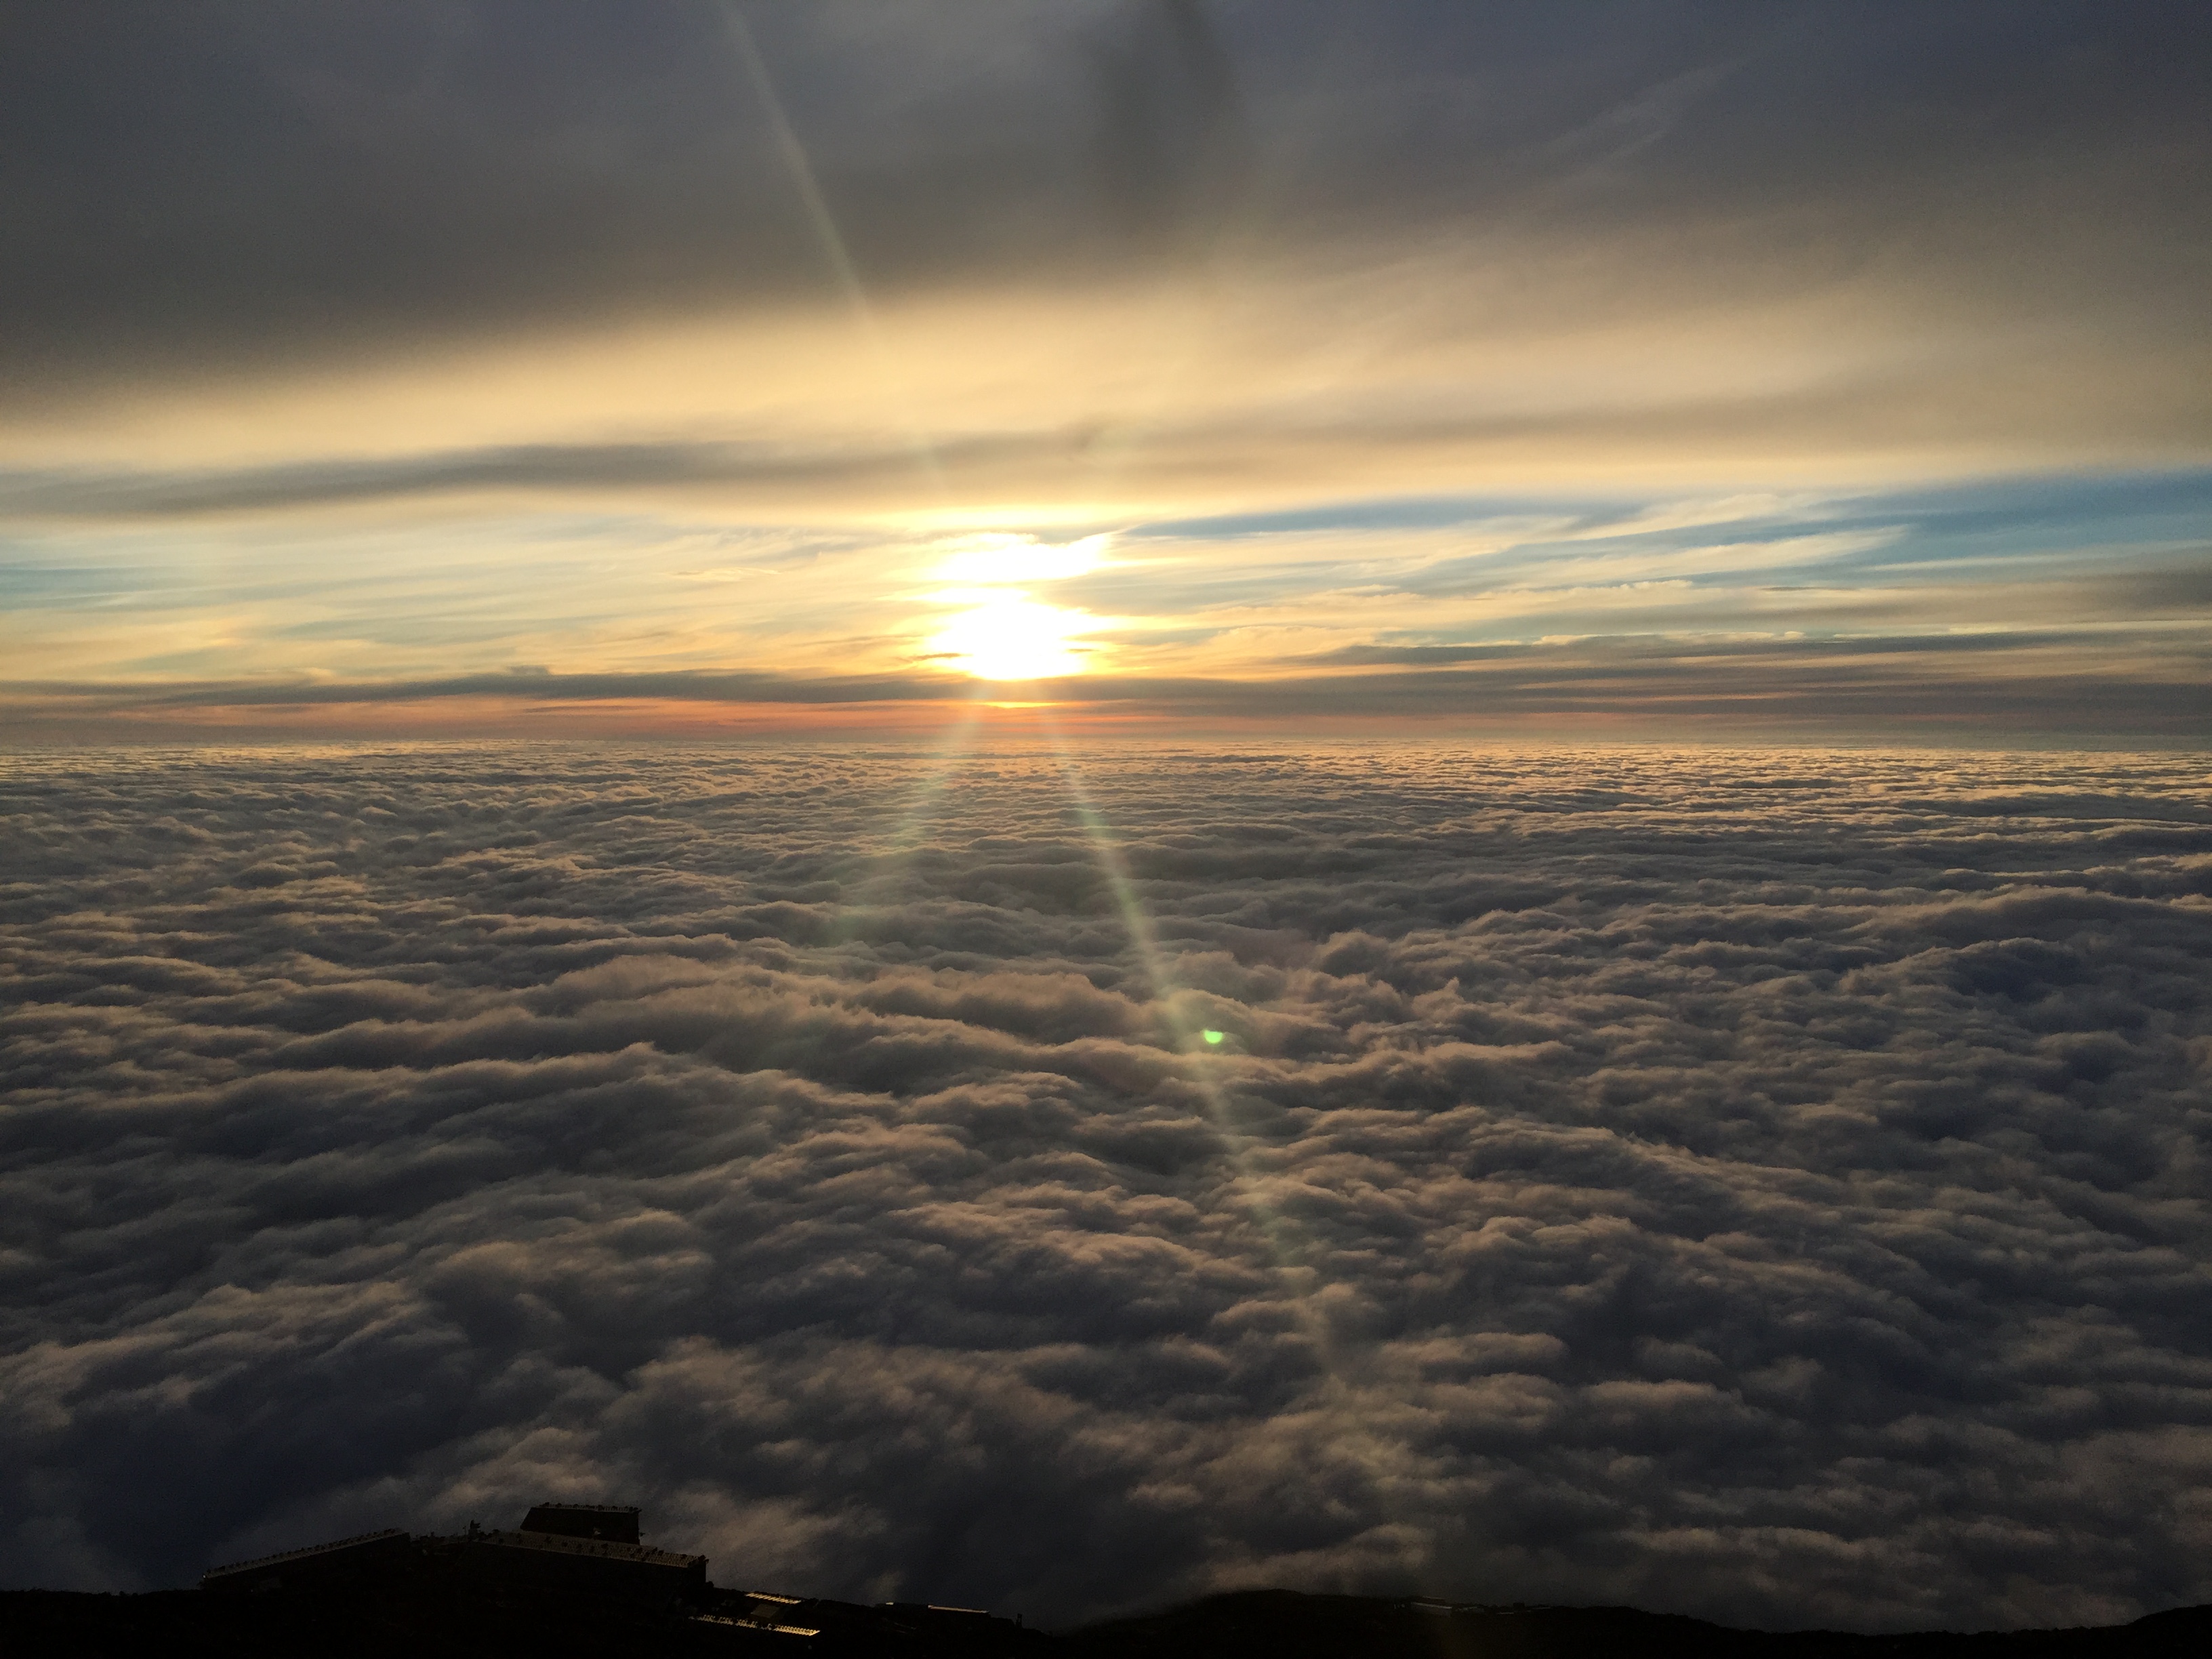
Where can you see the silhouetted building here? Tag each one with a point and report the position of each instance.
(584, 1564)
(614, 1523)
(368, 1554)
(587, 1550)
(550, 1564)
(763, 1623)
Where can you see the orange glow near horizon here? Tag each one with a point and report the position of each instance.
(474, 718)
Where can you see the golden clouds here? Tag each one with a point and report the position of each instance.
(1138, 378)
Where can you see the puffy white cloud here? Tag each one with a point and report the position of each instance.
(1770, 1186)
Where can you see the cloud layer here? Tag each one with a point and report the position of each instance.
(1771, 1187)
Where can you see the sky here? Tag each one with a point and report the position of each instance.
(1759, 371)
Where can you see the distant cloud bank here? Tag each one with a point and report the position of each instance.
(1767, 1187)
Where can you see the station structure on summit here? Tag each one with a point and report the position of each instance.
(595, 1555)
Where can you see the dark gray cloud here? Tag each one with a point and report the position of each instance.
(252, 177)
(262, 175)
(530, 467)
(1766, 1186)
(2046, 683)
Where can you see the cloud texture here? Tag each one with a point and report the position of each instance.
(204, 183)
(388, 345)
(1771, 1187)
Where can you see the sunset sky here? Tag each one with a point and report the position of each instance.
(1660, 369)
(1052, 804)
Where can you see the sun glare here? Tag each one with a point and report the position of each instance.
(1003, 558)
(1013, 639)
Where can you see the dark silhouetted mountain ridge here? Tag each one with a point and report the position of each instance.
(430, 1619)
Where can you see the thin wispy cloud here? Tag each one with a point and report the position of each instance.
(1679, 324)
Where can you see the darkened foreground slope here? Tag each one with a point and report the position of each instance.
(1279, 1624)
(434, 1617)
(429, 1619)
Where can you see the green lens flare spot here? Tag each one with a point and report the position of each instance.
(1210, 1036)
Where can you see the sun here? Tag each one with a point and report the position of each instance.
(1013, 639)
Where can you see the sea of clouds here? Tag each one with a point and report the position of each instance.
(1765, 1186)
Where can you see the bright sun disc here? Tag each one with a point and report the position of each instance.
(1013, 639)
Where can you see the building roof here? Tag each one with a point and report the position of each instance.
(615, 1522)
(586, 1509)
(283, 1555)
(553, 1543)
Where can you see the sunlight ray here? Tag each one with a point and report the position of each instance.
(1196, 1044)
(878, 891)
(1360, 1382)
(835, 250)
